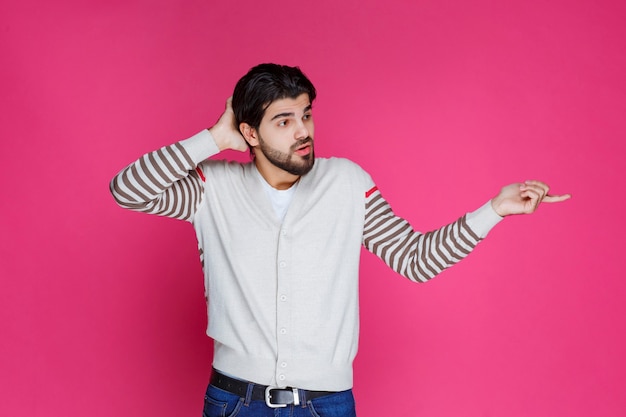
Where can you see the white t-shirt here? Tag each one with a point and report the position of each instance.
(280, 198)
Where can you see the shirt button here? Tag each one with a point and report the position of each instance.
(283, 297)
(283, 264)
(283, 232)
(282, 377)
(283, 331)
(283, 365)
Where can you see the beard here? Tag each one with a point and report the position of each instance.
(290, 162)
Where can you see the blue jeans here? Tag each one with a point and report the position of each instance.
(220, 403)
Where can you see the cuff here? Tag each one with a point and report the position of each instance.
(200, 146)
(481, 221)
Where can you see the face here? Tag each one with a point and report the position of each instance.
(285, 136)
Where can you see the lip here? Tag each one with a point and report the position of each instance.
(304, 150)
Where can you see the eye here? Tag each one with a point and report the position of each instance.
(282, 123)
(307, 116)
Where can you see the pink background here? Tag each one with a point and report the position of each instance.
(443, 102)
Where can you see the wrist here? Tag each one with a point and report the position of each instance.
(496, 205)
(218, 137)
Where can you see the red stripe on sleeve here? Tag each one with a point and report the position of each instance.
(199, 171)
(370, 192)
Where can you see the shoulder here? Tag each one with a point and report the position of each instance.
(339, 165)
(223, 165)
(218, 168)
(343, 170)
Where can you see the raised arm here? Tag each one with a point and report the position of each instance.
(166, 182)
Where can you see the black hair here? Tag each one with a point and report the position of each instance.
(264, 84)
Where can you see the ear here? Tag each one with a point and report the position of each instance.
(249, 133)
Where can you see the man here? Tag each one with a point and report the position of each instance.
(279, 240)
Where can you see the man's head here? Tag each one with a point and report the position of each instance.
(263, 85)
(272, 105)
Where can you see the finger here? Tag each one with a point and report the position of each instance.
(537, 185)
(556, 198)
(531, 203)
(534, 192)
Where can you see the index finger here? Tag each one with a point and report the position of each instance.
(556, 198)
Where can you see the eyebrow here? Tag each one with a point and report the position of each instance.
(280, 115)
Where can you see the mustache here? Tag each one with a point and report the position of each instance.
(302, 142)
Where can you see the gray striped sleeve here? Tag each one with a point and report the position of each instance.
(164, 182)
(417, 256)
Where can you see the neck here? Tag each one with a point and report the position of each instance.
(276, 177)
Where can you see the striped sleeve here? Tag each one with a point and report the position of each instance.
(164, 182)
(417, 256)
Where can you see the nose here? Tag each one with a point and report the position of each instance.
(301, 131)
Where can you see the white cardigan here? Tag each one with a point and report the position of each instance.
(283, 297)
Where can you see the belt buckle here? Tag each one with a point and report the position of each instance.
(268, 397)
